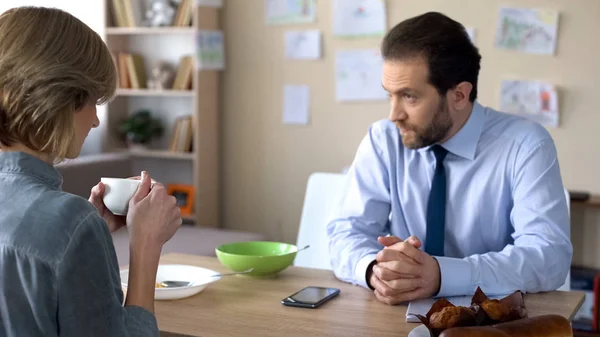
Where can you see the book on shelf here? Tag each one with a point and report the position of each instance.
(183, 134)
(118, 14)
(183, 16)
(127, 13)
(183, 77)
(123, 71)
(137, 71)
(131, 71)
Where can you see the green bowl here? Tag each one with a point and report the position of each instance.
(267, 258)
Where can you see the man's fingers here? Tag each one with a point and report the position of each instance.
(380, 286)
(401, 267)
(403, 285)
(396, 287)
(387, 241)
(386, 274)
(414, 241)
(401, 252)
(404, 297)
(405, 248)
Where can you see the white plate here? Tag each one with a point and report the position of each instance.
(200, 278)
(420, 331)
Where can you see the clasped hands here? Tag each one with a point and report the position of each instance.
(402, 272)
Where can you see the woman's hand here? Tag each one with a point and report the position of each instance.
(114, 222)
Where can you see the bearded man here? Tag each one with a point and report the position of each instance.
(448, 195)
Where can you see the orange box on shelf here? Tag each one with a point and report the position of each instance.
(184, 195)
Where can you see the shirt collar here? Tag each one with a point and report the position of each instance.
(464, 142)
(21, 162)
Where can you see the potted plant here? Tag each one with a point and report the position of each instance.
(140, 128)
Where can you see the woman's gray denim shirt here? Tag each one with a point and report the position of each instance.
(59, 274)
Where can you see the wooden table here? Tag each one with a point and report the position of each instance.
(246, 306)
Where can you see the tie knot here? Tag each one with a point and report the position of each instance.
(439, 153)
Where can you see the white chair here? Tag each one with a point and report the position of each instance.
(323, 191)
(567, 285)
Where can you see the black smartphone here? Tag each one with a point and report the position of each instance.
(310, 297)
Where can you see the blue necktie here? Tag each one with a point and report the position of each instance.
(436, 206)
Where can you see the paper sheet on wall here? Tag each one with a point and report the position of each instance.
(359, 18)
(303, 45)
(280, 12)
(471, 32)
(210, 50)
(535, 100)
(421, 307)
(527, 30)
(296, 102)
(358, 75)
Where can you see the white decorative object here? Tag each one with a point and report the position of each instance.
(160, 13)
(161, 76)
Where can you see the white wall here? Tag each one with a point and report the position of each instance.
(91, 12)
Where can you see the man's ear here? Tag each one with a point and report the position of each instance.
(459, 96)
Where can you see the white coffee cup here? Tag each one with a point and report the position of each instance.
(117, 193)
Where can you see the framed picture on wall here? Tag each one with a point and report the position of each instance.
(184, 195)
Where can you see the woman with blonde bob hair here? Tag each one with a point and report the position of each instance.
(59, 274)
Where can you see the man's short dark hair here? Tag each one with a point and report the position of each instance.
(443, 43)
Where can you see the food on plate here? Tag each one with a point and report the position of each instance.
(444, 315)
(495, 311)
(452, 316)
(158, 285)
(538, 326)
(483, 311)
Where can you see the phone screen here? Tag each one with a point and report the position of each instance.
(312, 295)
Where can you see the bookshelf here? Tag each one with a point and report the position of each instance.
(199, 99)
(148, 30)
(151, 92)
(161, 154)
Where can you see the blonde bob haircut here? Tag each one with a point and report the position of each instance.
(51, 66)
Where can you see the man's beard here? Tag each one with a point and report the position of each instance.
(433, 133)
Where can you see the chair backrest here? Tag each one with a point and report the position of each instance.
(323, 191)
(567, 285)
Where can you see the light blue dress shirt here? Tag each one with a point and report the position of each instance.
(507, 221)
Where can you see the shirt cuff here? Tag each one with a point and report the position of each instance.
(455, 277)
(360, 272)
